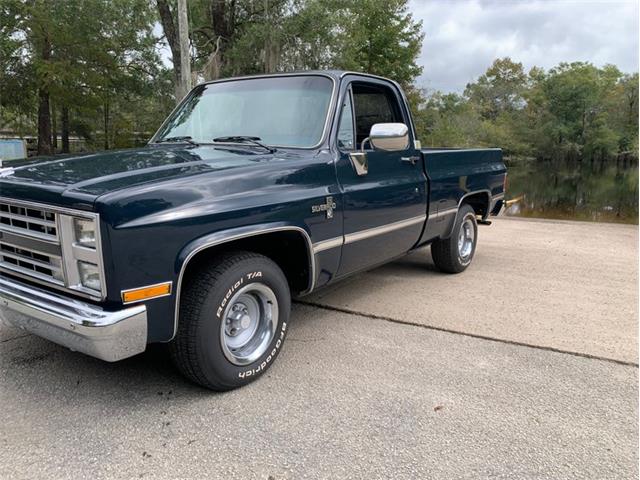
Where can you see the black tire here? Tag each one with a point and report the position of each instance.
(445, 252)
(198, 349)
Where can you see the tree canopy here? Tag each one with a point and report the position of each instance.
(574, 110)
(94, 58)
(92, 69)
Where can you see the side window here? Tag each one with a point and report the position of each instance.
(374, 104)
(345, 130)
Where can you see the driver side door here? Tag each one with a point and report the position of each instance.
(384, 208)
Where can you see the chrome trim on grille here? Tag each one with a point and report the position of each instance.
(28, 219)
(31, 262)
(63, 243)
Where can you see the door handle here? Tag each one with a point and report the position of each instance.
(412, 160)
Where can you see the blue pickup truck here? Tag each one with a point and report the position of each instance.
(254, 190)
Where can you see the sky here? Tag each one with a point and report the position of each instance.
(463, 37)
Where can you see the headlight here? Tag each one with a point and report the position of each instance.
(89, 275)
(82, 253)
(85, 232)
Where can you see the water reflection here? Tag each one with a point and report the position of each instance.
(601, 191)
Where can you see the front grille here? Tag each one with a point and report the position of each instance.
(38, 242)
(33, 221)
(33, 263)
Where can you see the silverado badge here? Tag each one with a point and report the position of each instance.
(328, 206)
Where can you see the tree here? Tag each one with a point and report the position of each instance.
(623, 112)
(79, 53)
(176, 32)
(447, 120)
(569, 105)
(379, 37)
(185, 56)
(499, 89)
(90, 68)
(237, 38)
(243, 38)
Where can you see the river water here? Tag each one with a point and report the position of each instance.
(574, 190)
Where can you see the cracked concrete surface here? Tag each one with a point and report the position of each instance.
(571, 286)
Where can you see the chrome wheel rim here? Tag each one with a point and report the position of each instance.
(249, 324)
(466, 238)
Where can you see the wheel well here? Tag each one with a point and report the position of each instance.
(479, 202)
(288, 249)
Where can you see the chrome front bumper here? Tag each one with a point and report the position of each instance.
(80, 326)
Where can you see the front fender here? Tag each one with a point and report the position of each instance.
(227, 236)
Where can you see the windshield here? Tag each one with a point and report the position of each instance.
(282, 111)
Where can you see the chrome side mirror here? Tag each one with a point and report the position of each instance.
(390, 137)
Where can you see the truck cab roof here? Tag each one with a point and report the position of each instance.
(334, 74)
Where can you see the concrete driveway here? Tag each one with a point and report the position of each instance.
(525, 366)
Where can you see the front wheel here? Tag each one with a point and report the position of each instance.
(233, 321)
(454, 254)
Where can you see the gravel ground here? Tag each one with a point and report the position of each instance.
(354, 396)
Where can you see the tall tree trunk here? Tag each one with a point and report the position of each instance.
(185, 57)
(223, 22)
(65, 129)
(44, 122)
(106, 125)
(54, 127)
(44, 111)
(170, 31)
(271, 46)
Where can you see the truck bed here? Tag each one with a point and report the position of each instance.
(457, 173)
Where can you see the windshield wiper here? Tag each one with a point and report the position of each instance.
(183, 138)
(244, 139)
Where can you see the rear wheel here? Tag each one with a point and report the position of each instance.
(233, 320)
(454, 254)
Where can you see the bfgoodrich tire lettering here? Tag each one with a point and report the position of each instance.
(454, 254)
(234, 315)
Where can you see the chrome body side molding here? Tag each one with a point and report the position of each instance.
(328, 244)
(220, 238)
(373, 232)
(444, 213)
(364, 234)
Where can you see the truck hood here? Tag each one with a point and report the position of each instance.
(76, 181)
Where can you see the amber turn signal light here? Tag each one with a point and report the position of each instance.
(146, 293)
